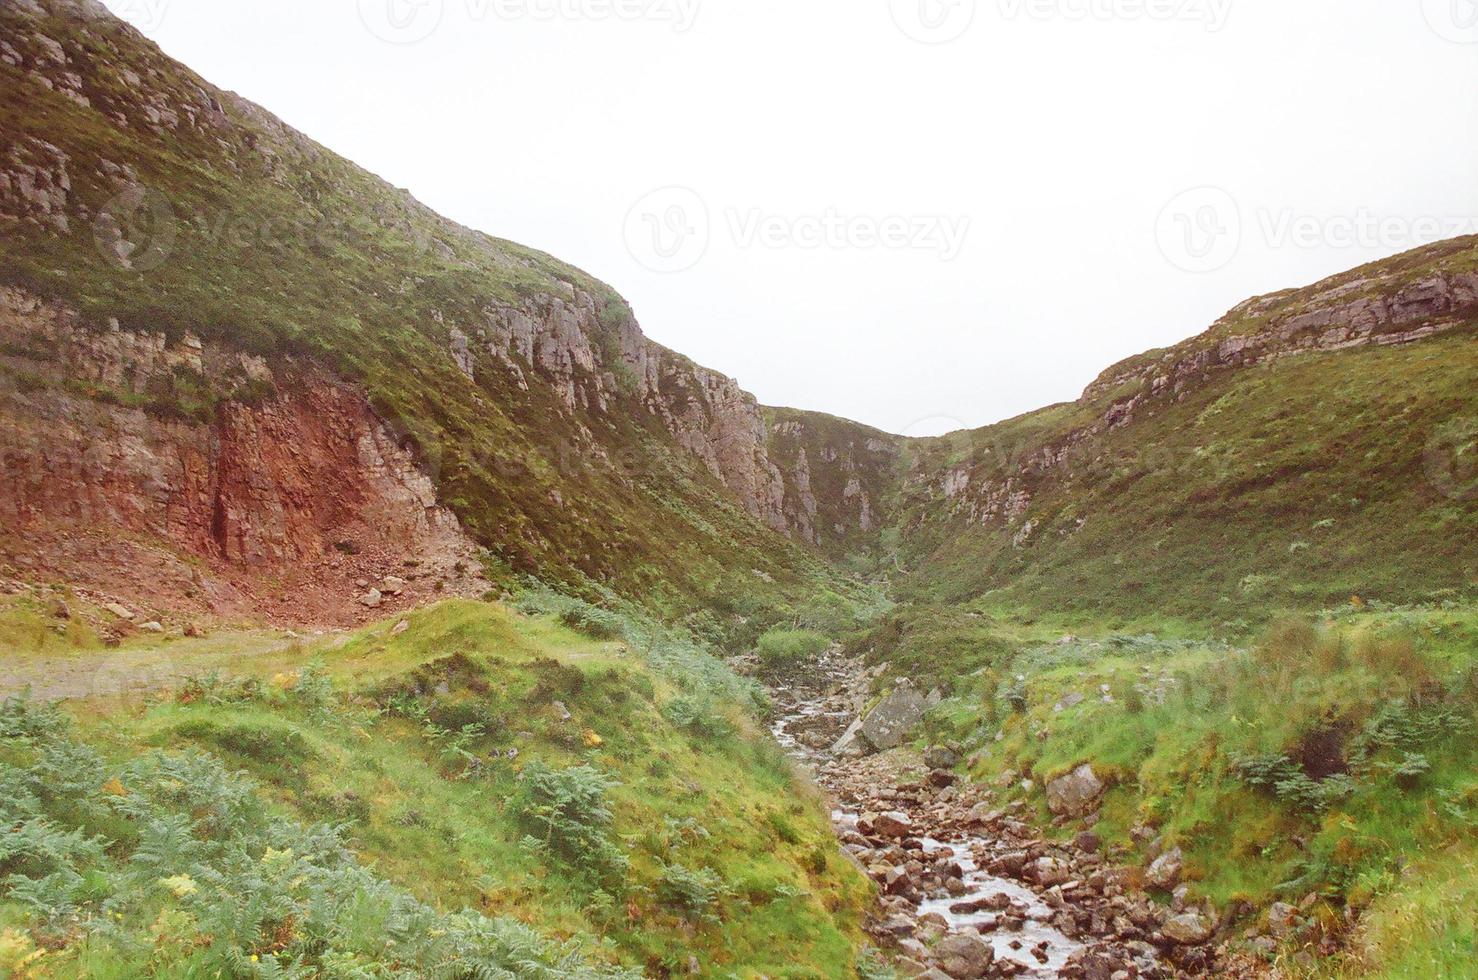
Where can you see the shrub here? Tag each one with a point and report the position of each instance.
(699, 715)
(201, 869)
(565, 811)
(691, 894)
(783, 647)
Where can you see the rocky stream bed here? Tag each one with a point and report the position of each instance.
(970, 890)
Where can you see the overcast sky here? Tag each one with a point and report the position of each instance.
(920, 214)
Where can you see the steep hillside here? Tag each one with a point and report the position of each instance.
(466, 792)
(1312, 445)
(181, 266)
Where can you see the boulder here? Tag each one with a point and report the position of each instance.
(1049, 871)
(892, 824)
(1188, 929)
(372, 599)
(1076, 793)
(940, 757)
(122, 612)
(963, 956)
(888, 724)
(1282, 920)
(1165, 871)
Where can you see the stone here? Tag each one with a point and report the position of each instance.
(401, 627)
(121, 612)
(963, 956)
(1050, 871)
(1282, 920)
(372, 599)
(940, 757)
(892, 824)
(392, 585)
(1088, 842)
(1164, 872)
(1070, 701)
(1075, 794)
(561, 711)
(152, 627)
(1187, 929)
(886, 725)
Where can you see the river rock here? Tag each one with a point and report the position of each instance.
(891, 824)
(1166, 869)
(1188, 929)
(886, 726)
(1076, 793)
(964, 957)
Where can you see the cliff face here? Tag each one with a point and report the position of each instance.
(840, 478)
(296, 503)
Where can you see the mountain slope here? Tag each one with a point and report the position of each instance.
(177, 254)
(186, 276)
(1312, 445)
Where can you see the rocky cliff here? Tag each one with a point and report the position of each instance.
(295, 501)
(1422, 294)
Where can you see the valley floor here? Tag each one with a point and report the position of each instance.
(1096, 803)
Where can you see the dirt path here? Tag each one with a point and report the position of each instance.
(150, 667)
(968, 890)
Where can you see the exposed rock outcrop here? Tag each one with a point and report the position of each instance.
(307, 484)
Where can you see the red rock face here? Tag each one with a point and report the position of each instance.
(237, 515)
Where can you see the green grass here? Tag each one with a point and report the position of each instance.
(1292, 486)
(421, 743)
(783, 647)
(1368, 715)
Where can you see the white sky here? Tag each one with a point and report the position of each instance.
(1060, 130)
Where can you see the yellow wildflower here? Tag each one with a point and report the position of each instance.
(181, 886)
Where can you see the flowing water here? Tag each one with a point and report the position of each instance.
(811, 706)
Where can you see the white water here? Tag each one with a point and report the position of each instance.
(1012, 945)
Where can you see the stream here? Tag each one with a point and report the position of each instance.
(1018, 919)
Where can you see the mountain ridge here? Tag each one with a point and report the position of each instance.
(217, 254)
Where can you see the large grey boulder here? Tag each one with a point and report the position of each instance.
(1075, 794)
(888, 724)
(963, 956)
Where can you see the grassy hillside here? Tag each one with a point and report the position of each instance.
(479, 789)
(1329, 765)
(1295, 482)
